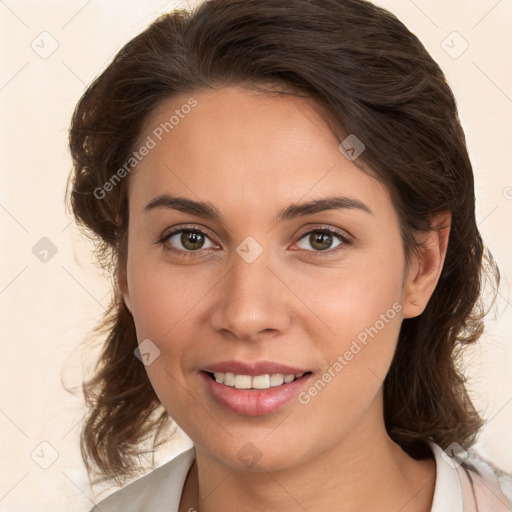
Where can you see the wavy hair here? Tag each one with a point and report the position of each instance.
(378, 81)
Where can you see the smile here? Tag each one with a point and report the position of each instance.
(253, 395)
(264, 381)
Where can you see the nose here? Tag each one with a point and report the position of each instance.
(251, 301)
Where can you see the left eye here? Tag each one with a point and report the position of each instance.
(322, 239)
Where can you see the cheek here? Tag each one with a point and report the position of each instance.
(151, 306)
(357, 359)
(163, 305)
(161, 297)
(166, 305)
(347, 299)
(360, 308)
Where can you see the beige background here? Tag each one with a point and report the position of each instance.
(48, 307)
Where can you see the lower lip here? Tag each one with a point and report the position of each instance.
(254, 402)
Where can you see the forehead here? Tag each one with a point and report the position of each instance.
(269, 119)
(238, 144)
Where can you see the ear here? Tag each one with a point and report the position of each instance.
(122, 276)
(425, 269)
(123, 286)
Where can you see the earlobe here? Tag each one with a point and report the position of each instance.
(127, 303)
(425, 271)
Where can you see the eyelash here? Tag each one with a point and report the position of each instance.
(190, 254)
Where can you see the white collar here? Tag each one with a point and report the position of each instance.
(448, 487)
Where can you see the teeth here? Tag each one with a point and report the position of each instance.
(229, 379)
(243, 382)
(261, 381)
(277, 379)
(265, 381)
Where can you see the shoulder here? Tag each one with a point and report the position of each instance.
(485, 487)
(467, 483)
(157, 491)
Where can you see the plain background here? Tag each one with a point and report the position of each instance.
(50, 300)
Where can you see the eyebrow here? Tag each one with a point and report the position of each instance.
(294, 210)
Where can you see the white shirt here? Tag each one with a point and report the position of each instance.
(160, 490)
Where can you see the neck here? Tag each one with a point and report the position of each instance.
(366, 470)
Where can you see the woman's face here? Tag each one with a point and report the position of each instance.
(253, 285)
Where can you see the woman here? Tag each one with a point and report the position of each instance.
(283, 193)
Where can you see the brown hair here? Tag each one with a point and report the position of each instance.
(379, 82)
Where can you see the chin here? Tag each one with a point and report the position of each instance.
(258, 455)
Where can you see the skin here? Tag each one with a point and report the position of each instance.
(294, 304)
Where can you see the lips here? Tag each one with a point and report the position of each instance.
(253, 402)
(253, 368)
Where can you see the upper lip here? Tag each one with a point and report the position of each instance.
(253, 368)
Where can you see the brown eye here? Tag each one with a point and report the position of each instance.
(187, 240)
(322, 240)
(192, 240)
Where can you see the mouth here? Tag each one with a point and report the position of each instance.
(254, 395)
(264, 381)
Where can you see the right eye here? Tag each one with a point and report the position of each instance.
(185, 240)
